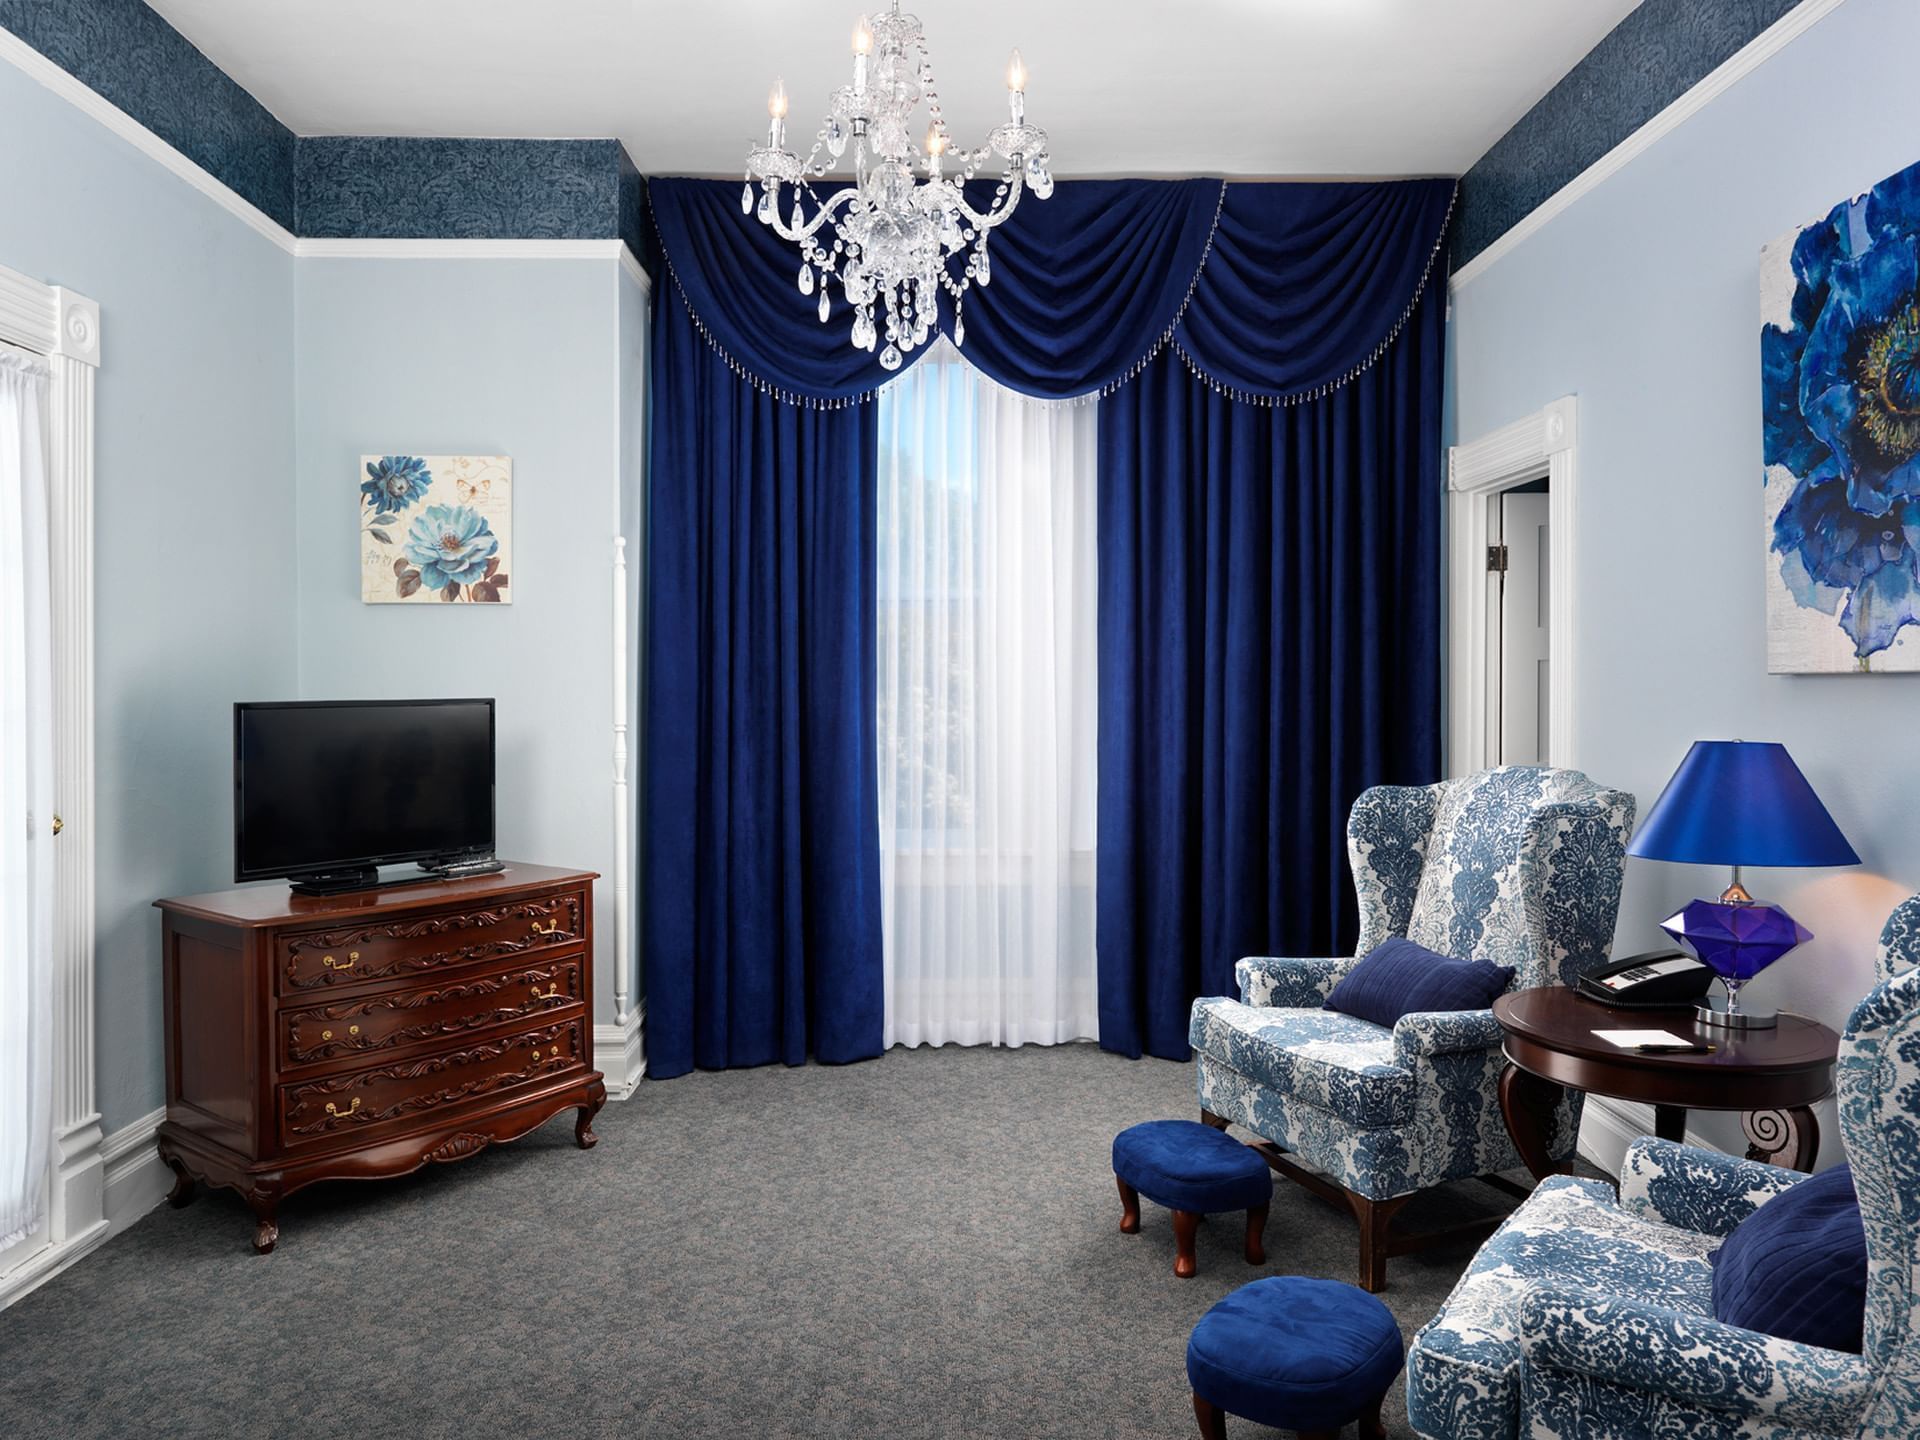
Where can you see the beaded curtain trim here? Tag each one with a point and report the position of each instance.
(1166, 337)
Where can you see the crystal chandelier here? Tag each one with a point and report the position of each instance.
(891, 236)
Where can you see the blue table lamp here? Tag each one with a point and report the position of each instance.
(1736, 802)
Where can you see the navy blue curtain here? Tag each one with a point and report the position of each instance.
(1269, 631)
(1269, 604)
(761, 914)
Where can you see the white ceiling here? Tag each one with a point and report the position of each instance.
(1125, 87)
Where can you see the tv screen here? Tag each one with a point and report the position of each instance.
(323, 786)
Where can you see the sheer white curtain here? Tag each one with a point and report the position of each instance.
(26, 797)
(986, 710)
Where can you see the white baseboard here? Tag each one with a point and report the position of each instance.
(136, 1181)
(618, 1052)
(1608, 1127)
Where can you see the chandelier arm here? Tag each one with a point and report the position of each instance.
(821, 216)
(995, 214)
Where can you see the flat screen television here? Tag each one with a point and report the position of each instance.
(324, 792)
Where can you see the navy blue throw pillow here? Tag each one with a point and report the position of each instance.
(1797, 1266)
(1399, 978)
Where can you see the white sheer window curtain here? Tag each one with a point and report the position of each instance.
(986, 710)
(26, 797)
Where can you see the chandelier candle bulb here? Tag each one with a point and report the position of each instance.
(862, 47)
(1016, 86)
(777, 113)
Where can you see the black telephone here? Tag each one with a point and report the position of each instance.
(1657, 979)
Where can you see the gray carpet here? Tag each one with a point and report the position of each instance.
(924, 1245)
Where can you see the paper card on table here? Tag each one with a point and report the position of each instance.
(1633, 1039)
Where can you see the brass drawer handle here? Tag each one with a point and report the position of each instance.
(551, 991)
(333, 964)
(552, 927)
(338, 1113)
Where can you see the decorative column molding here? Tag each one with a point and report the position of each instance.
(622, 796)
(78, 1208)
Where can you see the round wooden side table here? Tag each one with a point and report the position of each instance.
(1773, 1076)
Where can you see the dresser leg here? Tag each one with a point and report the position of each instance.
(183, 1185)
(583, 1135)
(265, 1204)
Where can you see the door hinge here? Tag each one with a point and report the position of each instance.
(1496, 559)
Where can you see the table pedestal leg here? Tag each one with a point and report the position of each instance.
(1782, 1137)
(1528, 1103)
(1670, 1123)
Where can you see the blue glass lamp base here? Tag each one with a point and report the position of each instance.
(1736, 940)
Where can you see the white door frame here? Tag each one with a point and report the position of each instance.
(65, 327)
(1541, 444)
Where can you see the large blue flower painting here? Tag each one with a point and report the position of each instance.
(435, 527)
(1840, 393)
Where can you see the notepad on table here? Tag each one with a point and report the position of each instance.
(1634, 1039)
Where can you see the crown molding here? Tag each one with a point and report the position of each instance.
(31, 62)
(458, 249)
(1737, 66)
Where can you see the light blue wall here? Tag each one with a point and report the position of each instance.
(488, 357)
(1642, 299)
(194, 555)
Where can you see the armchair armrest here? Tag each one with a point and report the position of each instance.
(1694, 1189)
(1694, 1360)
(1271, 980)
(1444, 1032)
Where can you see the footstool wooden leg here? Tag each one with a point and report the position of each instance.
(1213, 1420)
(1372, 1427)
(1256, 1235)
(1185, 1225)
(1129, 1207)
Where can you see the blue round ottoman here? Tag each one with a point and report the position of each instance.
(1193, 1170)
(1304, 1355)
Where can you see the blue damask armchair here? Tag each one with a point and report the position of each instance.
(1591, 1316)
(1520, 866)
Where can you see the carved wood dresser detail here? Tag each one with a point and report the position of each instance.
(366, 1035)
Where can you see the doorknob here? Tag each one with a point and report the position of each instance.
(58, 824)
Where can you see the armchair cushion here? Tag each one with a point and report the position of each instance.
(1694, 1189)
(1797, 1267)
(1399, 977)
(1319, 1058)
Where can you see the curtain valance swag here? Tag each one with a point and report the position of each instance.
(1271, 293)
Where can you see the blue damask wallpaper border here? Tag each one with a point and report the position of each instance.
(124, 52)
(336, 187)
(380, 187)
(1645, 63)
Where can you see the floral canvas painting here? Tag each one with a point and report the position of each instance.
(1840, 394)
(435, 529)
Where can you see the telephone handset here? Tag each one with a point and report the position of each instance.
(1657, 979)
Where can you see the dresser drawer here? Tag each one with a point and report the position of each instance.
(413, 1089)
(452, 1009)
(315, 959)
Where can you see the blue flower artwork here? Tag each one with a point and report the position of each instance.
(435, 528)
(1840, 417)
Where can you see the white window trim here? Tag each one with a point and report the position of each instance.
(65, 327)
(1541, 444)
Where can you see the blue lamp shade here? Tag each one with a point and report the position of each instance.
(1740, 802)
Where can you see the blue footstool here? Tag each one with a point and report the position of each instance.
(1193, 1170)
(1303, 1355)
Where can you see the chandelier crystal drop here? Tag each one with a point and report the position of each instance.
(888, 238)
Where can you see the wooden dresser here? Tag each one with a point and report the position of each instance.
(364, 1035)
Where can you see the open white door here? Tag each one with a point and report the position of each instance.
(1525, 653)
